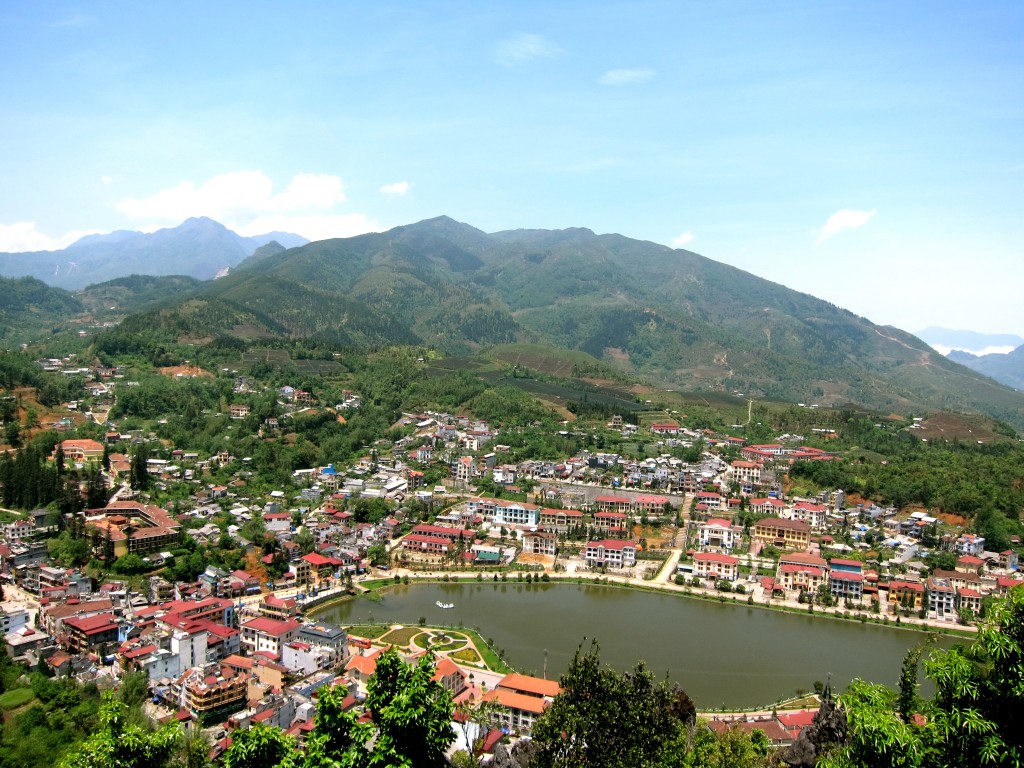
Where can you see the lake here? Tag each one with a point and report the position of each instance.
(721, 654)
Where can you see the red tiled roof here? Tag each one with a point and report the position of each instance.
(715, 557)
(271, 627)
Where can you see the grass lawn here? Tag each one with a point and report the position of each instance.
(369, 631)
(467, 655)
(401, 637)
(18, 697)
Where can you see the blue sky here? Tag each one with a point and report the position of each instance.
(870, 154)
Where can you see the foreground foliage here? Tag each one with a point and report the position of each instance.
(974, 718)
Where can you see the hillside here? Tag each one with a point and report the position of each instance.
(200, 248)
(29, 307)
(1007, 369)
(671, 316)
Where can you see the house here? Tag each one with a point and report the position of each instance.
(280, 608)
(514, 513)
(968, 599)
(277, 522)
(88, 633)
(714, 565)
(610, 553)
(970, 564)
(746, 473)
(969, 544)
(815, 515)
(238, 410)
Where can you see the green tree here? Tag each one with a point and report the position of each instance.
(139, 471)
(603, 718)
(260, 746)
(972, 720)
(119, 745)
(412, 714)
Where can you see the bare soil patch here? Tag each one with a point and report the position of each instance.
(185, 371)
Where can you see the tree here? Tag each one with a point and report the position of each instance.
(135, 688)
(410, 726)
(378, 554)
(973, 718)
(260, 746)
(139, 471)
(412, 714)
(119, 745)
(603, 718)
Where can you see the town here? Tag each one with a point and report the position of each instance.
(210, 590)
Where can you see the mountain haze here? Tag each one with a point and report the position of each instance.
(199, 248)
(671, 316)
(1007, 368)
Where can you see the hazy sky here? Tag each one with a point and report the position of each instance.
(868, 153)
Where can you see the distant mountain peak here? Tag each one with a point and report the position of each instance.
(199, 247)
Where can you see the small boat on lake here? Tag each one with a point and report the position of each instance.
(445, 605)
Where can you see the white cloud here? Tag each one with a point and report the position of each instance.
(625, 76)
(246, 202)
(523, 48)
(107, 179)
(944, 350)
(847, 218)
(23, 236)
(681, 240)
(398, 188)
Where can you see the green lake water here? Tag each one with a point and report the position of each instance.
(721, 654)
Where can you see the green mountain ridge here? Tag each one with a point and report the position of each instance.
(670, 316)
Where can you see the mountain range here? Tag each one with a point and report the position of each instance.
(669, 316)
(199, 248)
(1006, 368)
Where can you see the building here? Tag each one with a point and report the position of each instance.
(779, 532)
(906, 594)
(132, 527)
(714, 565)
(610, 521)
(560, 520)
(719, 534)
(941, 598)
(613, 504)
(610, 553)
(521, 699)
(81, 451)
(540, 543)
(846, 585)
(268, 635)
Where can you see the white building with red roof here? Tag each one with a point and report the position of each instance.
(610, 553)
(715, 565)
(269, 635)
(815, 515)
(719, 534)
(610, 521)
